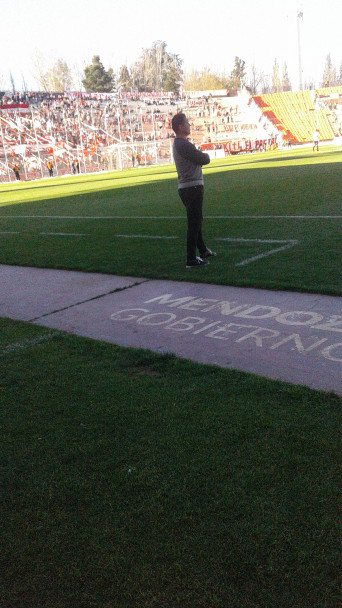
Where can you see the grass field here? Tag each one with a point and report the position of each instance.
(136, 480)
(274, 219)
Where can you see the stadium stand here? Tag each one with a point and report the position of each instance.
(100, 133)
(296, 114)
(108, 132)
(329, 91)
(230, 125)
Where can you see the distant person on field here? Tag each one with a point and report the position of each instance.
(73, 166)
(16, 171)
(50, 168)
(189, 162)
(315, 138)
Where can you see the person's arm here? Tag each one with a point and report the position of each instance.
(190, 152)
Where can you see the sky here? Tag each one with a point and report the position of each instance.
(203, 33)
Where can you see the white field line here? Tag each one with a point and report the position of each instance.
(125, 236)
(173, 217)
(288, 245)
(144, 236)
(63, 234)
(243, 240)
(51, 233)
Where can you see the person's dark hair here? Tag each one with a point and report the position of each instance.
(178, 120)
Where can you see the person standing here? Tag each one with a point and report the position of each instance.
(50, 168)
(16, 171)
(315, 138)
(189, 162)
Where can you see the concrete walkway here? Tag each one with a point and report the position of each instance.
(287, 336)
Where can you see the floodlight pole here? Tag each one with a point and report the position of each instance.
(299, 17)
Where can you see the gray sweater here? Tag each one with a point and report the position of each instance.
(189, 163)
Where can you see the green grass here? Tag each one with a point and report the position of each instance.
(135, 480)
(126, 485)
(291, 183)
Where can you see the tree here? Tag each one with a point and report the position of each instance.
(97, 78)
(255, 81)
(172, 80)
(276, 83)
(265, 84)
(78, 75)
(329, 74)
(191, 81)
(157, 70)
(124, 80)
(286, 84)
(40, 71)
(59, 77)
(237, 76)
(203, 81)
(210, 81)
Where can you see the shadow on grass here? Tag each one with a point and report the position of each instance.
(255, 158)
(308, 186)
(251, 158)
(87, 178)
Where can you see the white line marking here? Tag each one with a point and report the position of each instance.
(63, 234)
(257, 240)
(276, 217)
(144, 236)
(19, 346)
(8, 232)
(265, 255)
(173, 217)
(288, 245)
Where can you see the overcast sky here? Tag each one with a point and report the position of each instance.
(203, 33)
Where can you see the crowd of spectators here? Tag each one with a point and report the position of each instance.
(52, 133)
(40, 127)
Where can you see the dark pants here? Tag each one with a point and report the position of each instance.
(192, 199)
